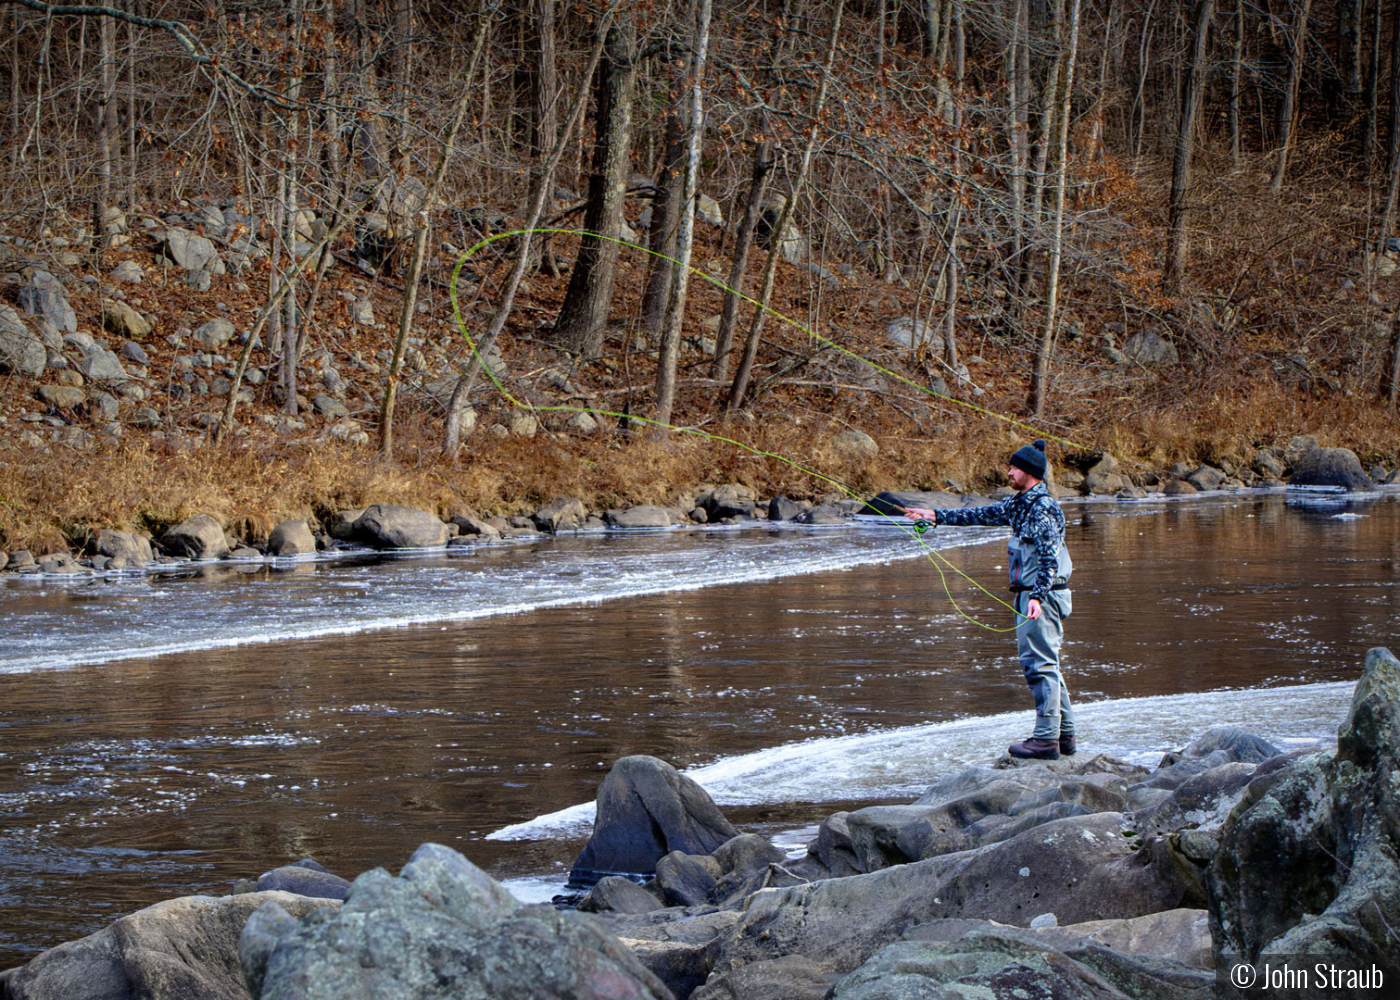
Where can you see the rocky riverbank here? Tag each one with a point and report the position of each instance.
(1088, 876)
(391, 527)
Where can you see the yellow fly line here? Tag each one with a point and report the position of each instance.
(913, 530)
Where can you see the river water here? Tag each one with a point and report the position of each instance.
(161, 736)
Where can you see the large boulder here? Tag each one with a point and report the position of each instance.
(987, 961)
(197, 537)
(646, 810)
(984, 805)
(305, 878)
(1308, 861)
(854, 446)
(729, 500)
(291, 538)
(643, 516)
(1077, 869)
(180, 949)
(1330, 467)
(443, 929)
(906, 331)
(134, 548)
(560, 514)
(386, 526)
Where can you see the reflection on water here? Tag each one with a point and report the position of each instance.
(138, 779)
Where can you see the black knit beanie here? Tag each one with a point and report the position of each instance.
(1031, 459)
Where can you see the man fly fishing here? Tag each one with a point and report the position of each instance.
(1040, 569)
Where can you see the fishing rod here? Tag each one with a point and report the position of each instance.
(915, 530)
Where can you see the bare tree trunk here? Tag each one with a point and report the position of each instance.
(131, 112)
(420, 244)
(932, 27)
(546, 101)
(1390, 385)
(1197, 71)
(1373, 91)
(741, 376)
(743, 240)
(1393, 142)
(106, 132)
(403, 69)
(584, 314)
(685, 241)
(1040, 381)
(1290, 95)
(950, 327)
(1236, 75)
(290, 209)
(452, 431)
(661, 235)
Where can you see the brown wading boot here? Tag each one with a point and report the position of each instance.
(1067, 747)
(1036, 748)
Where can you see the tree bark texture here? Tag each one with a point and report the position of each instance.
(1178, 207)
(583, 317)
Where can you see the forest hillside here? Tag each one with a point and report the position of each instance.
(273, 259)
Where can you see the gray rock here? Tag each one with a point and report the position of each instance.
(330, 406)
(104, 407)
(62, 396)
(1330, 467)
(10, 322)
(469, 525)
(1236, 743)
(790, 978)
(990, 963)
(643, 516)
(21, 559)
(1148, 347)
(197, 537)
(362, 312)
(729, 500)
(179, 949)
(1179, 487)
(191, 252)
(679, 952)
(134, 353)
(1080, 868)
(129, 272)
(560, 514)
(1206, 478)
(1307, 861)
(792, 245)
(708, 210)
(215, 333)
(101, 365)
(386, 526)
(1299, 446)
(443, 930)
(124, 321)
(908, 332)
(783, 509)
(133, 548)
(616, 894)
(145, 418)
(269, 924)
(304, 881)
(1266, 463)
(687, 879)
(44, 295)
(291, 538)
(521, 424)
(854, 446)
(22, 354)
(646, 810)
(826, 513)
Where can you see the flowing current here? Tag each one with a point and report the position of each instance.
(165, 735)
